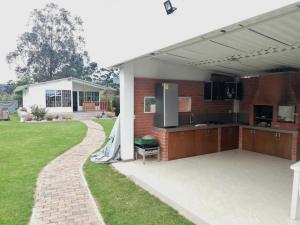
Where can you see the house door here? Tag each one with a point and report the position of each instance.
(75, 102)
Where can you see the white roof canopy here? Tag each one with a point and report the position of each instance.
(266, 42)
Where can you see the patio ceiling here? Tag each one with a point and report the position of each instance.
(263, 43)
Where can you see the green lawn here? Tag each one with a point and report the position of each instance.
(121, 201)
(24, 150)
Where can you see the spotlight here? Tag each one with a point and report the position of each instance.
(169, 8)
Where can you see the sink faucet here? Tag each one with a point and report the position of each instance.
(191, 118)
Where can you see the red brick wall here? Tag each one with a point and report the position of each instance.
(146, 87)
(162, 138)
(271, 90)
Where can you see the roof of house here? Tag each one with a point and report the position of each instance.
(74, 80)
(253, 45)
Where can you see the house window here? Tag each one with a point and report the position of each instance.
(88, 97)
(149, 105)
(80, 98)
(66, 98)
(50, 98)
(58, 98)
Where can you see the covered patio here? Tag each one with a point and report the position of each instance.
(235, 187)
(226, 188)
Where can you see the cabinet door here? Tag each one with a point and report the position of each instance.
(218, 91)
(265, 142)
(229, 138)
(239, 91)
(212, 144)
(230, 90)
(201, 142)
(181, 144)
(284, 146)
(247, 139)
(207, 90)
(206, 141)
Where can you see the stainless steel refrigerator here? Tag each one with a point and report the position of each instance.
(166, 105)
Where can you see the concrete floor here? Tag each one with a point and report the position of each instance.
(227, 188)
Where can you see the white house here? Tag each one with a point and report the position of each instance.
(63, 95)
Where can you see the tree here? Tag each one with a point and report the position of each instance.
(107, 77)
(53, 48)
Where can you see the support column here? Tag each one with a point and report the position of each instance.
(127, 112)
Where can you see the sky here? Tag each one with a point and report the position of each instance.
(118, 30)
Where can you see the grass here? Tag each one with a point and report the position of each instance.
(121, 201)
(24, 150)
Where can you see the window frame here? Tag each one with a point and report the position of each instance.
(58, 98)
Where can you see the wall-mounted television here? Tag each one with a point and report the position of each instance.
(286, 113)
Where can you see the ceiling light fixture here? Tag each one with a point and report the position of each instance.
(169, 8)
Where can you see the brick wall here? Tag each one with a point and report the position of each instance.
(273, 89)
(162, 138)
(146, 87)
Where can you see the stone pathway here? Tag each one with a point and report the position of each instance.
(62, 195)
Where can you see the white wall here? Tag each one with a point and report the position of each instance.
(36, 95)
(158, 69)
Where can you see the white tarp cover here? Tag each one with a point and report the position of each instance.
(111, 151)
(11, 106)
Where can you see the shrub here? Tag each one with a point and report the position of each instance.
(116, 104)
(56, 117)
(39, 113)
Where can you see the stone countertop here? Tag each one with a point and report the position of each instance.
(271, 129)
(211, 126)
(193, 127)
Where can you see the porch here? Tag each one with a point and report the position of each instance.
(226, 188)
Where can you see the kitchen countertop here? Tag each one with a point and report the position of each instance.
(271, 129)
(193, 127)
(211, 126)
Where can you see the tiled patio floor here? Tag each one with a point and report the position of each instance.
(227, 188)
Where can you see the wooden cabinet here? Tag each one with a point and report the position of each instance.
(264, 142)
(206, 141)
(248, 139)
(267, 142)
(284, 145)
(208, 91)
(229, 138)
(222, 90)
(218, 91)
(181, 144)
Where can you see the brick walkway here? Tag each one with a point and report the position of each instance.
(62, 196)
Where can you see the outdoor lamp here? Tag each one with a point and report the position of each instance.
(169, 8)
